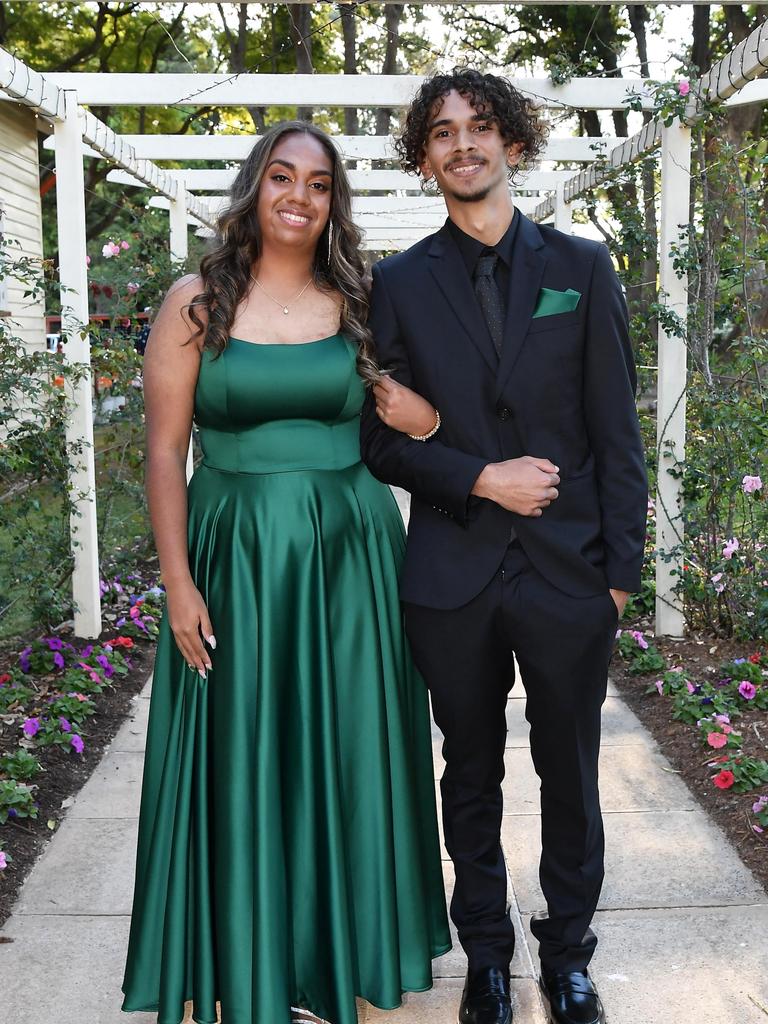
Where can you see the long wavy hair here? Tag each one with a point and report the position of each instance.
(338, 264)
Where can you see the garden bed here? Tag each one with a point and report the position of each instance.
(685, 745)
(61, 703)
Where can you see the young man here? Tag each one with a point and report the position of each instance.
(527, 519)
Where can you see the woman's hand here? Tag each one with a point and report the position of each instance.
(402, 409)
(189, 622)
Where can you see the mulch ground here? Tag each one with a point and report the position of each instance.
(65, 774)
(680, 743)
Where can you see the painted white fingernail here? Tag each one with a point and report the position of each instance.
(201, 673)
(212, 642)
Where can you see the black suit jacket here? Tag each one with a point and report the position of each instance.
(563, 390)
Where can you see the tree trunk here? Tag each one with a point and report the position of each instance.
(393, 14)
(700, 52)
(238, 46)
(349, 31)
(301, 26)
(646, 289)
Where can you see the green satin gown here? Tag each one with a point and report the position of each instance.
(288, 850)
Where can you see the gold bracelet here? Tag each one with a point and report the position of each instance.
(433, 431)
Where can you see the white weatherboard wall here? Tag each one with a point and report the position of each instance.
(22, 215)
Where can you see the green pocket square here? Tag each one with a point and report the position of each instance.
(551, 301)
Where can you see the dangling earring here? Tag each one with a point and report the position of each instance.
(330, 239)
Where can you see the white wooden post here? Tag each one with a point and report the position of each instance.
(179, 243)
(178, 226)
(563, 217)
(73, 277)
(672, 372)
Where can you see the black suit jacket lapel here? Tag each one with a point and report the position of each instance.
(528, 263)
(450, 273)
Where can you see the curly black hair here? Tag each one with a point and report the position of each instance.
(517, 118)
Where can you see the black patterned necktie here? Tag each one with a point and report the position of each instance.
(489, 297)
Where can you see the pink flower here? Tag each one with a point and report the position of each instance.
(716, 581)
(747, 690)
(731, 547)
(760, 804)
(87, 261)
(106, 250)
(77, 743)
(722, 719)
(640, 640)
(758, 829)
(683, 87)
(78, 696)
(716, 740)
(124, 245)
(3, 861)
(660, 686)
(689, 686)
(132, 287)
(31, 726)
(750, 484)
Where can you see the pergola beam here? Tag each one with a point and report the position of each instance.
(369, 181)
(570, 149)
(22, 84)
(247, 89)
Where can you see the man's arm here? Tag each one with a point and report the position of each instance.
(433, 471)
(613, 429)
(444, 476)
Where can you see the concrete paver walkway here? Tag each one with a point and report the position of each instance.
(682, 924)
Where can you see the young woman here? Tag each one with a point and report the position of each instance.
(288, 856)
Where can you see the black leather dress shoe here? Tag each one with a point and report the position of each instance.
(486, 998)
(571, 998)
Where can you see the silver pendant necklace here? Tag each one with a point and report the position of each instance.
(284, 306)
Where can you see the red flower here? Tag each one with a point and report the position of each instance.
(754, 658)
(724, 779)
(4, 678)
(122, 641)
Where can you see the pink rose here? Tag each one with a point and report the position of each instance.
(683, 86)
(750, 484)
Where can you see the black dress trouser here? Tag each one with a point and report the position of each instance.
(563, 645)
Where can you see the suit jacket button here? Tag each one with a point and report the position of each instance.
(503, 412)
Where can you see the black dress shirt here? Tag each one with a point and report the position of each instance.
(471, 250)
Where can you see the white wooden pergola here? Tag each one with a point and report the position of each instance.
(388, 206)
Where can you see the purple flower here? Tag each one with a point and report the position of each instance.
(689, 686)
(758, 829)
(3, 861)
(64, 723)
(54, 644)
(24, 664)
(120, 622)
(103, 660)
(87, 651)
(58, 659)
(117, 587)
(747, 690)
(12, 812)
(103, 587)
(723, 719)
(716, 582)
(760, 804)
(739, 661)
(31, 726)
(77, 743)
(660, 686)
